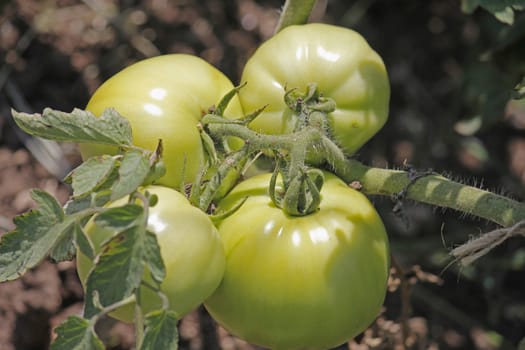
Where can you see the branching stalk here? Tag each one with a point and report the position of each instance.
(262, 141)
(431, 189)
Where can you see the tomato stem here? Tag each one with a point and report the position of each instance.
(435, 190)
(432, 189)
(295, 12)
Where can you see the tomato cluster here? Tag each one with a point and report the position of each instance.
(276, 280)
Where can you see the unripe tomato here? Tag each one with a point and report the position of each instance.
(190, 246)
(309, 282)
(164, 98)
(342, 64)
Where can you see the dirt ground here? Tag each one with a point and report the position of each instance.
(55, 53)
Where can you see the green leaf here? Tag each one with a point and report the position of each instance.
(161, 331)
(120, 218)
(519, 90)
(90, 175)
(134, 168)
(225, 100)
(76, 205)
(48, 206)
(503, 10)
(119, 270)
(78, 126)
(83, 242)
(37, 233)
(153, 259)
(64, 249)
(76, 334)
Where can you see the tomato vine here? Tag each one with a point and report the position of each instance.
(312, 169)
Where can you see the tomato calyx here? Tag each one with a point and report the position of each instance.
(302, 193)
(310, 107)
(302, 181)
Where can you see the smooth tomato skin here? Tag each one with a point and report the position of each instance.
(164, 97)
(190, 246)
(309, 282)
(342, 64)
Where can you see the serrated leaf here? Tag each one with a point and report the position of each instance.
(78, 126)
(37, 233)
(90, 175)
(120, 218)
(118, 271)
(153, 258)
(76, 334)
(161, 331)
(47, 206)
(134, 168)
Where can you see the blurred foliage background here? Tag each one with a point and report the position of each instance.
(453, 66)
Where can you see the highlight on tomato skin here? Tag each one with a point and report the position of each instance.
(164, 97)
(310, 282)
(341, 63)
(191, 249)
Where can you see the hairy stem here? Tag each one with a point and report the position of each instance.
(435, 190)
(431, 189)
(294, 12)
(259, 141)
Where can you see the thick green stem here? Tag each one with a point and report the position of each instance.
(295, 12)
(431, 189)
(435, 190)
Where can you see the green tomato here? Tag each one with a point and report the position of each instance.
(164, 98)
(190, 246)
(308, 282)
(342, 64)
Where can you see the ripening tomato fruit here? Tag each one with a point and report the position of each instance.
(343, 65)
(309, 282)
(164, 98)
(190, 246)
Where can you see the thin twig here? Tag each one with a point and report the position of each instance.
(476, 248)
(405, 290)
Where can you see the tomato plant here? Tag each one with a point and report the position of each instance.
(164, 98)
(341, 63)
(298, 265)
(307, 282)
(190, 247)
